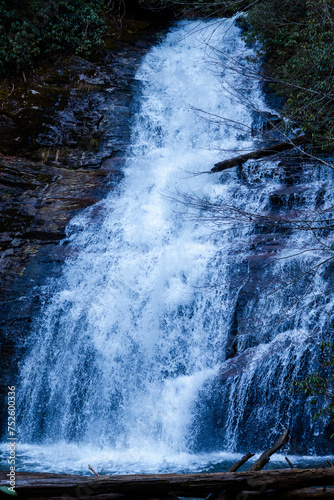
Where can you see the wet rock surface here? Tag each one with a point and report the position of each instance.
(261, 350)
(63, 136)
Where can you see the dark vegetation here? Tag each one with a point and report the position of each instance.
(319, 385)
(34, 30)
(297, 39)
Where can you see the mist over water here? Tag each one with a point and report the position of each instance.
(123, 360)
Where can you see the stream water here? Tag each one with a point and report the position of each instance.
(125, 364)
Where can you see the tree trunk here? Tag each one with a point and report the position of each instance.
(237, 161)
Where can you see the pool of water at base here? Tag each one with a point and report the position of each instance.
(74, 459)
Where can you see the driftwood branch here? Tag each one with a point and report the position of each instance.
(258, 465)
(93, 471)
(265, 457)
(289, 462)
(34, 485)
(237, 161)
(238, 464)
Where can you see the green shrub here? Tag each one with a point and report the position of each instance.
(297, 38)
(320, 385)
(37, 29)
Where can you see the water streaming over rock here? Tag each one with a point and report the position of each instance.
(133, 355)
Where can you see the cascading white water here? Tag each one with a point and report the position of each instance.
(134, 332)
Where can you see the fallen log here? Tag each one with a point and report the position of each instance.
(307, 493)
(233, 468)
(237, 161)
(300, 494)
(265, 457)
(37, 485)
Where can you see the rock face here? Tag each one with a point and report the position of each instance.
(63, 135)
(277, 325)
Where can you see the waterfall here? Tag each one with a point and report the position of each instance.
(126, 361)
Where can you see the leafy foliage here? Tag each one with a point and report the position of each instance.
(320, 385)
(297, 38)
(36, 29)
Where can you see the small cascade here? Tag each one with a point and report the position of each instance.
(174, 334)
